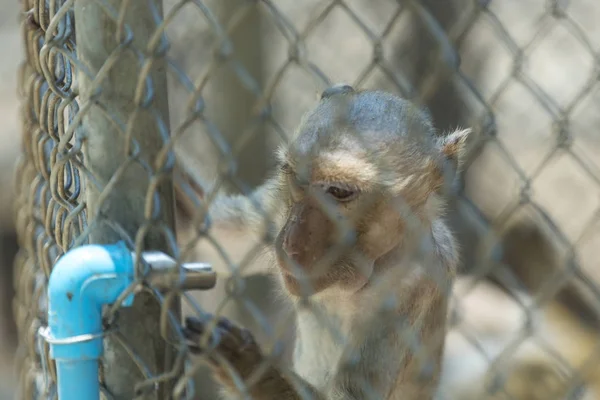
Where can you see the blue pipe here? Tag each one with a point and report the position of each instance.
(82, 281)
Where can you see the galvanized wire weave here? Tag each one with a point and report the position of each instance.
(523, 76)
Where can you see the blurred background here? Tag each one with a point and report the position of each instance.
(10, 130)
(524, 74)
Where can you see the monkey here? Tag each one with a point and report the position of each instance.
(353, 218)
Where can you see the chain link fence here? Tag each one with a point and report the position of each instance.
(123, 101)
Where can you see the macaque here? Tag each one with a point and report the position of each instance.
(354, 220)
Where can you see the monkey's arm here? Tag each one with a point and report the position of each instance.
(237, 223)
(254, 214)
(372, 373)
(237, 353)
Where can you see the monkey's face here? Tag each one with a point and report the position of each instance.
(337, 225)
(356, 164)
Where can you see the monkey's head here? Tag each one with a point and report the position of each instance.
(360, 165)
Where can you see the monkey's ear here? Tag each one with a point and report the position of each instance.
(453, 147)
(336, 89)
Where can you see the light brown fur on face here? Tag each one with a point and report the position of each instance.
(388, 171)
(356, 210)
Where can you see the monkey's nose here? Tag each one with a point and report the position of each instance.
(295, 256)
(292, 254)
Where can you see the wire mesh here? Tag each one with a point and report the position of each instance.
(240, 74)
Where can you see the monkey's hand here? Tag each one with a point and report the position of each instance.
(230, 350)
(238, 363)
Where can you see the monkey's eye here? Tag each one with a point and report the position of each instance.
(341, 194)
(285, 168)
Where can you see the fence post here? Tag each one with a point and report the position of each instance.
(122, 128)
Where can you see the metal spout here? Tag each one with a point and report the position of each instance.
(165, 273)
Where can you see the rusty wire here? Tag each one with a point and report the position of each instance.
(53, 176)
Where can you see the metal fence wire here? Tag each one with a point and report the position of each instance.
(123, 101)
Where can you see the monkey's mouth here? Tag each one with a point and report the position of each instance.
(292, 269)
(303, 285)
(317, 266)
(345, 277)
